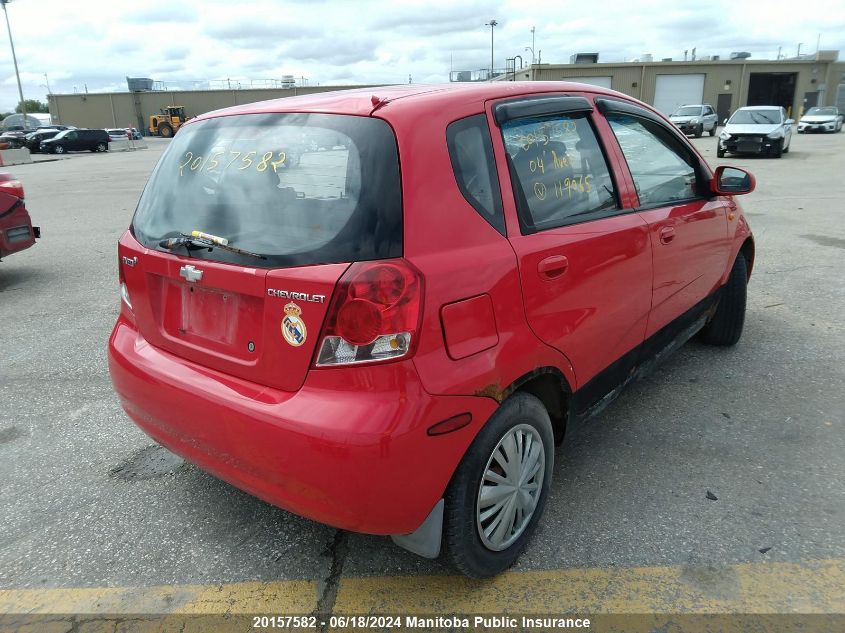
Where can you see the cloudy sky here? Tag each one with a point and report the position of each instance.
(335, 42)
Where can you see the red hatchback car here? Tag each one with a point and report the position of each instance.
(380, 309)
(16, 230)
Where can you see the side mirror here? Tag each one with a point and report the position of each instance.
(732, 181)
(725, 122)
(790, 121)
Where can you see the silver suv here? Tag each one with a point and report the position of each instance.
(695, 119)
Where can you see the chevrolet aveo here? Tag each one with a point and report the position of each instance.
(381, 309)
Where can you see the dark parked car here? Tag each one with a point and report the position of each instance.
(77, 141)
(33, 141)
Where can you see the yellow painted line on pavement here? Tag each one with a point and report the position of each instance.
(287, 596)
(807, 587)
(813, 587)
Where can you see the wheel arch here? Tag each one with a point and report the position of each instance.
(549, 385)
(747, 250)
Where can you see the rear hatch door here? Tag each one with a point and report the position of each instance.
(308, 194)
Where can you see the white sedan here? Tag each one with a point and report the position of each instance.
(764, 130)
(823, 119)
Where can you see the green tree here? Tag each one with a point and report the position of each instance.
(32, 106)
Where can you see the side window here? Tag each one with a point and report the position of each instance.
(471, 154)
(662, 170)
(558, 170)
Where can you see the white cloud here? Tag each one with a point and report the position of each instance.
(100, 42)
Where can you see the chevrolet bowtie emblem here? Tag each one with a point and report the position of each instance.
(190, 273)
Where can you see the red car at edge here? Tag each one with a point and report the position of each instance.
(381, 309)
(16, 230)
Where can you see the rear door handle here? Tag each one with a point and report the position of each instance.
(667, 234)
(552, 267)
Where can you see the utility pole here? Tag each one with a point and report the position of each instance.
(798, 54)
(15, 60)
(492, 24)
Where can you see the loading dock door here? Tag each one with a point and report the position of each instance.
(772, 89)
(603, 82)
(840, 97)
(672, 91)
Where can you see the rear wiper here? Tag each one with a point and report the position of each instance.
(191, 242)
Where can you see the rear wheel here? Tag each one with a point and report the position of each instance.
(725, 328)
(499, 491)
(102, 147)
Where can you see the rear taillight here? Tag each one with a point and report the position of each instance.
(126, 301)
(12, 187)
(374, 315)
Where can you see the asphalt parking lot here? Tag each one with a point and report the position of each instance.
(91, 506)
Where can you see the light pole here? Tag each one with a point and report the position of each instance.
(532, 45)
(492, 24)
(15, 60)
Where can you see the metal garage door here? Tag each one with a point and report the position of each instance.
(840, 97)
(603, 82)
(672, 91)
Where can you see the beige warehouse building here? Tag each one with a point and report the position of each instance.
(796, 84)
(133, 109)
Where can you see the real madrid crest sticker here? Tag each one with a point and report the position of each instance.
(293, 327)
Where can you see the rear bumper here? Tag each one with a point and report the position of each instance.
(349, 449)
(16, 231)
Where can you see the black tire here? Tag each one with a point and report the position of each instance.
(720, 153)
(59, 149)
(102, 147)
(777, 150)
(165, 131)
(713, 130)
(461, 533)
(725, 328)
(699, 130)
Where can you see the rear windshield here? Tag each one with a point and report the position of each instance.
(299, 189)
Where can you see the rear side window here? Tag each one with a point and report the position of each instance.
(558, 171)
(299, 189)
(661, 168)
(471, 154)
